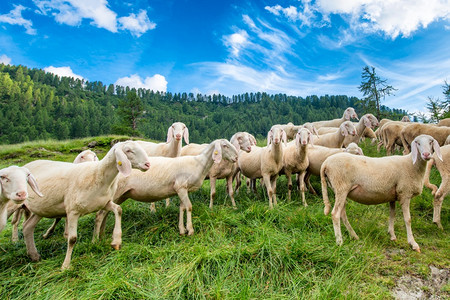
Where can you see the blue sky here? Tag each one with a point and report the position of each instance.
(301, 47)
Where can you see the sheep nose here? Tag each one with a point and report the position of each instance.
(276, 141)
(304, 142)
(147, 165)
(21, 195)
(178, 136)
(426, 154)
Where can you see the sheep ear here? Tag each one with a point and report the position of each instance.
(315, 131)
(297, 140)
(367, 122)
(236, 144)
(311, 138)
(123, 163)
(347, 114)
(185, 135)
(284, 137)
(252, 139)
(269, 137)
(217, 154)
(344, 131)
(95, 157)
(414, 151)
(33, 184)
(437, 149)
(170, 134)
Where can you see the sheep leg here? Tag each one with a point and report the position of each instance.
(51, 229)
(117, 231)
(289, 178)
(3, 217)
(347, 224)
(153, 207)
(336, 215)
(302, 187)
(266, 178)
(438, 199)
(72, 224)
(212, 183)
(28, 234)
(308, 183)
(407, 218)
(100, 224)
(238, 182)
(326, 201)
(186, 204)
(15, 223)
(392, 220)
(167, 202)
(273, 182)
(230, 190)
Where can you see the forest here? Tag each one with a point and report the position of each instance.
(36, 105)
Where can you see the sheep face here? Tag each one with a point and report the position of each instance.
(406, 119)
(347, 128)
(276, 135)
(176, 131)
(353, 148)
(311, 128)
(303, 137)
(223, 149)
(130, 155)
(86, 155)
(244, 143)
(13, 184)
(371, 121)
(424, 146)
(350, 113)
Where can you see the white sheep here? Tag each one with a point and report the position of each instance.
(74, 190)
(265, 162)
(348, 114)
(443, 167)
(440, 133)
(295, 160)
(359, 178)
(310, 126)
(318, 154)
(368, 121)
(13, 189)
(171, 148)
(336, 139)
(169, 177)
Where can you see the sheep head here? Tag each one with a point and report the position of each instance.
(13, 184)
(424, 146)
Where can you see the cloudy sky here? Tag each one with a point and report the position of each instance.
(297, 47)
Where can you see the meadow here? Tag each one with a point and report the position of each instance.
(252, 252)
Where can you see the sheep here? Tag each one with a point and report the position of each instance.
(73, 190)
(447, 141)
(359, 178)
(368, 121)
(444, 122)
(348, 113)
(390, 135)
(318, 154)
(310, 126)
(13, 189)
(407, 135)
(265, 162)
(336, 139)
(295, 160)
(225, 169)
(439, 194)
(290, 129)
(169, 177)
(171, 148)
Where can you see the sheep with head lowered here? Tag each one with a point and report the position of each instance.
(359, 178)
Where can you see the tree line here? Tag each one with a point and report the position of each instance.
(35, 105)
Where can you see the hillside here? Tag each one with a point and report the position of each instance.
(35, 105)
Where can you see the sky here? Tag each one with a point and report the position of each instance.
(297, 47)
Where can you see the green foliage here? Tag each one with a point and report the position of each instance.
(35, 105)
(252, 252)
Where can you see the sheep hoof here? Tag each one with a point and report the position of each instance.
(394, 238)
(116, 247)
(191, 233)
(35, 257)
(326, 210)
(234, 207)
(417, 250)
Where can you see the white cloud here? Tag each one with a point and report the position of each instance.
(137, 25)
(328, 77)
(393, 18)
(236, 41)
(72, 13)
(156, 83)
(63, 71)
(5, 59)
(14, 17)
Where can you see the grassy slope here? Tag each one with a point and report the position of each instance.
(251, 252)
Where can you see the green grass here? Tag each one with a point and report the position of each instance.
(252, 252)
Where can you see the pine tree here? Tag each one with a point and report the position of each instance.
(129, 111)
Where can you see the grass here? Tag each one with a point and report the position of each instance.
(252, 252)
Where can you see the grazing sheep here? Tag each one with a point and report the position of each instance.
(265, 162)
(295, 160)
(225, 169)
(443, 167)
(13, 188)
(74, 190)
(444, 122)
(410, 132)
(348, 114)
(368, 121)
(318, 154)
(390, 135)
(169, 177)
(336, 139)
(359, 178)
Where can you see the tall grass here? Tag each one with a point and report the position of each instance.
(252, 252)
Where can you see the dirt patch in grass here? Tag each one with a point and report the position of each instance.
(411, 287)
